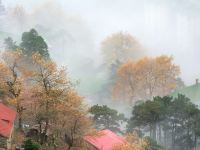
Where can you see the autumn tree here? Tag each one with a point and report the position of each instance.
(117, 49)
(76, 123)
(120, 47)
(3, 74)
(146, 78)
(58, 110)
(49, 84)
(167, 73)
(134, 142)
(14, 81)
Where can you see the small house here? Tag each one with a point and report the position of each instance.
(7, 118)
(104, 140)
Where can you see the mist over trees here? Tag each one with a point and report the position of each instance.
(120, 47)
(116, 75)
(42, 96)
(117, 49)
(31, 43)
(172, 122)
(107, 118)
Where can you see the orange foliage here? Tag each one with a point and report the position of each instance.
(120, 47)
(134, 143)
(146, 78)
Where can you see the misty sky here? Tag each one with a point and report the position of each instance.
(162, 26)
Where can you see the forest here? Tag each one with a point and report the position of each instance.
(141, 97)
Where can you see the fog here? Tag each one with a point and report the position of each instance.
(74, 30)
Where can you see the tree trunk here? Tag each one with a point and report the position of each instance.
(154, 132)
(165, 140)
(150, 130)
(195, 142)
(173, 136)
(159, 133)
(20, 122)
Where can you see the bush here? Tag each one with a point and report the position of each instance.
(29, 145)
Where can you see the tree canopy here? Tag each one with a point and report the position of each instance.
(106, 117)
(119, 47)
(146, 78)
(32, 42)
(173, 122)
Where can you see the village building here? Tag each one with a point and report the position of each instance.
(104, 140)
(192, 92)
(7, 118)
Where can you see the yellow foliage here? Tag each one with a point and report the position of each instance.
(146, 78)
(120, 47)
(133, 143)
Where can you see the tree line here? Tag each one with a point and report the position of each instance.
(45, 98)
(172, 122)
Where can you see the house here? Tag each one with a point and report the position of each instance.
(104, 140)
(192, 92)
(7, 118)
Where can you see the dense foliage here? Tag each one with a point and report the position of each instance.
(31, 43)
(107, 118)
(29, 145)
(173, 123)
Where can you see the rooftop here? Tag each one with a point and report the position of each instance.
(105, 140)
(7, 117)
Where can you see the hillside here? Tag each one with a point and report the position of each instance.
(192, 92)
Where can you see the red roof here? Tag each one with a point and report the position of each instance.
(7, 117)
(105, 140)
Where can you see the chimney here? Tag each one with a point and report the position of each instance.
(197, 81)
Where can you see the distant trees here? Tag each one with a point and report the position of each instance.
(146, 78)
(31, 43)
(119, 47)
(10, 44)
(179, 83)
(107, 118)
(170, 121)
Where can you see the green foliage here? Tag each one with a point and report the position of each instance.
(106, 117)
(174, 119)
(10, 44)
(33, 42)
(29, 145)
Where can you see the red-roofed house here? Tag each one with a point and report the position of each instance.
(7, 118)
(105, 140)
